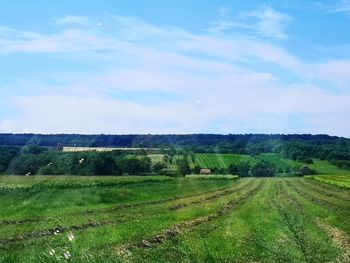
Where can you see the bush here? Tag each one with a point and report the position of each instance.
(184, 167)
(263, 169)
(28, 163)
(157, 167)
(196, 169)
(241, 169)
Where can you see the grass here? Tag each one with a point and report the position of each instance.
(213, 177)
(279, 162)
(156, 158)
(143, 219)
(224, 160)
(324, 167)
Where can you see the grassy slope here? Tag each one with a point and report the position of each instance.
(276, 221)
(224, 160)
(212, 160)
(324, 167)
(279, 162)
(156, 158)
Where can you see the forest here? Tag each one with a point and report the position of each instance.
(29, 154)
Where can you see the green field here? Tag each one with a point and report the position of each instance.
(324, 167)
(278, 161)
(214, 160)
(340, 181)
(161, 219)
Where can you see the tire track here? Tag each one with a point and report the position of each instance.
(294, 202)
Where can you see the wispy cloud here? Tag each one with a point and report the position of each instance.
(134, 56)
(73, 20)
(264, 21)
(341, 7)
(337, 6)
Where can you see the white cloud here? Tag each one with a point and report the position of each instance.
(7, 126)
(73, 20)
(335, 72)
(264, 21)
(220, 89)
(341, 7)
(271, 23)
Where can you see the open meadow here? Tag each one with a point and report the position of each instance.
(163, 219)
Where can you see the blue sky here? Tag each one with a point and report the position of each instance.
(99, 66)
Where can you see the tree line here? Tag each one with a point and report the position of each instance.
(301, 148)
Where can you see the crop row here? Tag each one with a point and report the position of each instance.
(222, 160)
(339, 181)
(8, 186)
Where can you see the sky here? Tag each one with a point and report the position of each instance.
(175, 66)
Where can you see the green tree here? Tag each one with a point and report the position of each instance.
(184, 167)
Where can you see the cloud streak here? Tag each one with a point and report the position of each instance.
(180, 68)
(264, 21)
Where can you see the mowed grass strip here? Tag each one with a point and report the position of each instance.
(52, 201)
(251, 220)
(320, 206)
(311, 193)
(150, 220)
(264, 229)
(239, 197)
(46, 226)
(327, 189)
(332, 221)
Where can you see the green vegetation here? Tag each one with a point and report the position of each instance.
(324, 167)
(164, 219)
(39, 160)
(213, 176)
(175, 155)
(214, 160)
(340, 181)
(281, 164)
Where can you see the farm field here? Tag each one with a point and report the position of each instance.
(148, 219)
(211, 160)
(340, 181)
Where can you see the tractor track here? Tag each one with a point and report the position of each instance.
(290, 199)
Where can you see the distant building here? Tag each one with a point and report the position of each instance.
(205, 171)
(305, 170)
